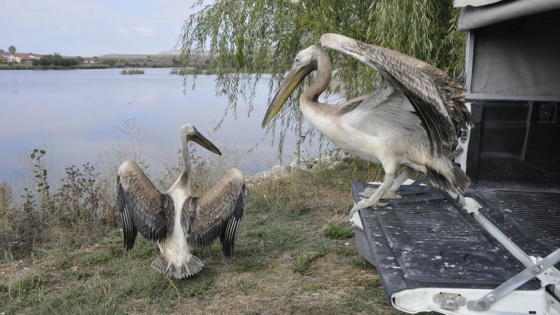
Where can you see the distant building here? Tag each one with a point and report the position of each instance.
(9, 58)
(92, 60)
(17, 58)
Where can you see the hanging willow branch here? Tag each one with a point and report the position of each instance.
(244, 39)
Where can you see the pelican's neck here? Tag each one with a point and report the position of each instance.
(310, 107)
(322, 79)
(184, 182)
(185, 175)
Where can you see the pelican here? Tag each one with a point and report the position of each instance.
(176, 220)
(411, 120)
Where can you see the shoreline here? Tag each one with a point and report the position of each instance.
(327, 160)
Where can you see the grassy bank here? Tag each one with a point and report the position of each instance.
(294, 254)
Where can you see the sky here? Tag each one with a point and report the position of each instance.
(90, 28)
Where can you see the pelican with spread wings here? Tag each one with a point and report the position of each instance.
(177, 220)
(413, 119)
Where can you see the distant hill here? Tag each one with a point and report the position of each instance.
(170, 52)
(127, 56)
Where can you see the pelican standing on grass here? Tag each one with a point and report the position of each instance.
(412, 119)
(176, 220)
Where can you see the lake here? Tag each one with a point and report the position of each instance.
(80, 116)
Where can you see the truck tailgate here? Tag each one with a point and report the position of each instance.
(426, 239)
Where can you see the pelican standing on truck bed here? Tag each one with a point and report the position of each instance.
(413, 119)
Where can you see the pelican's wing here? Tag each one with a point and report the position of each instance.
(143, 208)
(217, 213)
(436, 98)
(386, 110)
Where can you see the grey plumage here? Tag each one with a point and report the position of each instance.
(176, 220)
(412, 119)
(436, 98)
(209, 225)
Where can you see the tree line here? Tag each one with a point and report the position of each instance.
(57, 60)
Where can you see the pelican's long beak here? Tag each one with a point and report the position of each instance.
(200, 139)
(291, 81)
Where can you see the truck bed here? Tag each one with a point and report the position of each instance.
(426, 239)
(531, 219)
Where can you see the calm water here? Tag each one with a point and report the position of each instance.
(78, 116)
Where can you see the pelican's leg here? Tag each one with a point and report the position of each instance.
(374, 199)
(392, 192)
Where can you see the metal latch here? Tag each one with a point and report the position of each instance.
(464, 134)
(449, 301)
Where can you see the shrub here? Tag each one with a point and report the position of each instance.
(80, 206)
(132, 71)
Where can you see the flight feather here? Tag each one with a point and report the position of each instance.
(437, 99)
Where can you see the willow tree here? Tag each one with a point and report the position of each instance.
(245, 38)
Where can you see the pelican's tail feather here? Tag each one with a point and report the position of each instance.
(451, 178)
(188, 269)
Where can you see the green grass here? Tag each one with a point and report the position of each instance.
(202, 288)
(338, 232)
(294, 254)
(304, 261)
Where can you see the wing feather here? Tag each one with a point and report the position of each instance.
(436, 98)
(143, 208)
(386, 110)
(228, 236)
(218, 212)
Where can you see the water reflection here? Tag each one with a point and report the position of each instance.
(78, 115)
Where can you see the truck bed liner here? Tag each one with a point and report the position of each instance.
(425, 239)
(530, 218)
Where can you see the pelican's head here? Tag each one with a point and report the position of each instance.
(304, 63)
(189, 133)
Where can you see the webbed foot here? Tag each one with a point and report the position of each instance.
(365, 204)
